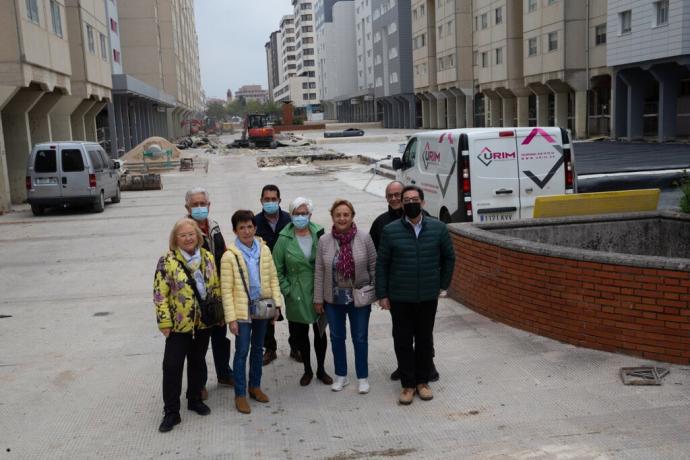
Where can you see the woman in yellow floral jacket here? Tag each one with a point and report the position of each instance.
(179, 317)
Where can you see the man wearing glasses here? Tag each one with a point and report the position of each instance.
(395, 212)
(414, 267)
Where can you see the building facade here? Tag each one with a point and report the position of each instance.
(252, 93)
(273, 62)
(54, 80)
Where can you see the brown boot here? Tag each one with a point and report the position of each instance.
(242, 405)
(257, 394)
(406, 396)
(204, 394)
(424, 392)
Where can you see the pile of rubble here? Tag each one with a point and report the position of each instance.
(210, 144)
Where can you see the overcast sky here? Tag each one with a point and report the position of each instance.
(232, 35)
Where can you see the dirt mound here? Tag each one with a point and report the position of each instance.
(157, 145)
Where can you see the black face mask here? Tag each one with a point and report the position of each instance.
(412, 210)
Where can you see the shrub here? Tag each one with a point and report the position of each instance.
(684, 184)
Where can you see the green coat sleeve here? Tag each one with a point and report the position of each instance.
(383, 260)
(447, 258)
(279, 259)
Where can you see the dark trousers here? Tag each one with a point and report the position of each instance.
(179, 346)
(220, 346)
(300, 336)
(413, 328)
(270, 339)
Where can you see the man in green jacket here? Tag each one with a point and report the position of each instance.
(414, 267)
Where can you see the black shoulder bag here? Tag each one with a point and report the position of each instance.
(211, 308)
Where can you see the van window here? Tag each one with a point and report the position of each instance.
(107, 164)
(96, 160)
(410, 154)
(45, 161)
(72, 160)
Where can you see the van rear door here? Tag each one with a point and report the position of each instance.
(43, 174)
(74, 172)
(494, 175)
(542, 170)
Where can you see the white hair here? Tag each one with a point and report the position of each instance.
(194, 191)
(299, 201)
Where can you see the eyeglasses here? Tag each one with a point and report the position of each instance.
(393, 195)
(411, 200)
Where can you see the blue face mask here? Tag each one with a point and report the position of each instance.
(271, 207)
(300, 222)
(200, 213)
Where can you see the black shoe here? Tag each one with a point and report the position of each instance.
(433, 375)
(230, 381)
(269, 355)
(325, 378)
(198, 407)
(395, 375)
(169, 421)
(294, 354)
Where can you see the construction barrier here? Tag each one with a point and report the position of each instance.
(582, 204)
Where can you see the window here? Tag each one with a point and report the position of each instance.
(309, 62)
(485, 59)
(422, 11)
(32, 10)
(476, 23)
(72, 160)
(551, 2)
(440, 31)
(306, 17)
(451, 61)
(661, 12)
(104, 51)
(90, 39)
(393, 53)
(531, 5)
(485, 20)
(393, 78)
(45, 161)
(553, 41)
(475, 57)
(625, 20)
(499, 56)
(499, 15)
(96, 161)
(393, 28)
(116, 56)
(440, 63)
(414, 15)
(306, 29)
(600, 34)
(532, 47)
(56, 17)
(113, 25)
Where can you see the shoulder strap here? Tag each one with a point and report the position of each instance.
(244, 283)
(190, 279)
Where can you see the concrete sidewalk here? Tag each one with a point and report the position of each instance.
(80, 367)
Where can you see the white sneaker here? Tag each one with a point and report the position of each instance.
(363, 386)
(339, 383)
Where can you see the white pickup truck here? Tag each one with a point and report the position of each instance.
(488, 174)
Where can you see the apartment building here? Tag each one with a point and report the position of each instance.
(160, 48)
(442, 56)
(54, 80)
(138, 110)
(272, 48)
(252, 93)
(305, 47)
(648, 49)
(289, 87)
(336, 55)
(392, 49)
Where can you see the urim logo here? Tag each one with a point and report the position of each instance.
(430, 157)
(486, 156)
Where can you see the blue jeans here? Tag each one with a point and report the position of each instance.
(253, 332)
(359, 329)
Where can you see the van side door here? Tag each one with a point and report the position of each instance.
(494, 175)
(109, 174)
(407, 174)
(74, 173)
(542, 172)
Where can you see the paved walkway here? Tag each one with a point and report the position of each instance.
(80, 366)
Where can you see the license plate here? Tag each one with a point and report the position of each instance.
(497, 217)
(46, 181)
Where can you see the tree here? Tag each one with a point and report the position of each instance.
(215, 109)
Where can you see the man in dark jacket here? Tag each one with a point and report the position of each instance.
(197, 204)
(395, 212)
(269, 222)
(414, 267)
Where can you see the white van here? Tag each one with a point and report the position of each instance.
(70, 173)
(487, 174)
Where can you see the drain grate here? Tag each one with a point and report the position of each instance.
(644, 375)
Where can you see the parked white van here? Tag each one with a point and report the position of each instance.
(70, 173)
(487, 174)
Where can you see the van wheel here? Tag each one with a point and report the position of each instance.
(116, 198)
(99, 205)
(445, 216)
(37, 210)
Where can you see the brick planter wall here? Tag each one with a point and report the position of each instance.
(606, 306)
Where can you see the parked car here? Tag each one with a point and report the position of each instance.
(488, 174)
(349, 132)
(70, 173)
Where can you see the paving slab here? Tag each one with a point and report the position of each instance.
(80, 366)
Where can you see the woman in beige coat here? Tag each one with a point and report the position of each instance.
(247, 275)
(346, 259)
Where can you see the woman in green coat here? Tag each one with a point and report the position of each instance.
(294, 255)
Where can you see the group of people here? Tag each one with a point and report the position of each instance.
(284, 260)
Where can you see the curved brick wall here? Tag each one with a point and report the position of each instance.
(593, 300)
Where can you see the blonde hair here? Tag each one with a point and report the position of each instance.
(341, 202)
(185, 221)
